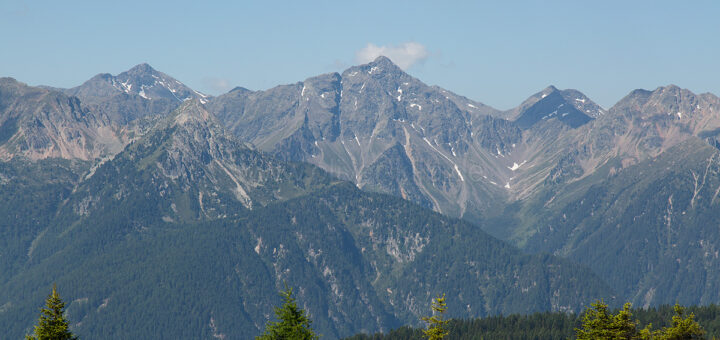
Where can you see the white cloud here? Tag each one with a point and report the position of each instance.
(217, 85)
(404, 55)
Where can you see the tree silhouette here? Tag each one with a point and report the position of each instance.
(52, 324)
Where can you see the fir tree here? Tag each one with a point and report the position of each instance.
(436, 323)
(52, 324)
(598, 323)
(682, 328)
(293, 324)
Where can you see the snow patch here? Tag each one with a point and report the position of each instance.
(582, 100)
(679, 114)
(458, 172)
(126, 86)
(302, 93)
(416, 105)
(516, 166)
(473, 106)
(200, 94)
(507, 185)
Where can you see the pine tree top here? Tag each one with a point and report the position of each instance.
(52, 324)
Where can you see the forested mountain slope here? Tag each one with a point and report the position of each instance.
(188, 233)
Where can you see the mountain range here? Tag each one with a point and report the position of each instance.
(157, 205)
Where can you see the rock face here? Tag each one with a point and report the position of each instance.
(37, 123)
(388, 132)
(189, 155)
(631, 194)
(94, 120)
(375, 116)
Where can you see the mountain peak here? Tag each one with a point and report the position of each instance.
(384, 64)
(143, 83)
(550, 88)
(383, 60)
(570, 107)
(142, 68)
(669, 87)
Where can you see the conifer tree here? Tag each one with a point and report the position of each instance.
(682, 328)
(436, 323)
(598, 323)
(52, 324)
(293, 324)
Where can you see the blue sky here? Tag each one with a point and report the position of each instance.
(498, 52)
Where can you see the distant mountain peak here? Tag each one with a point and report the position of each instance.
(669, 87)
(141, 68)
(240, 89)
(143, 85)
(383, 60)
(383, 64)
(550, 88)
(571, 107)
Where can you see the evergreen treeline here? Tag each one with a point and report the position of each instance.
(549, 325)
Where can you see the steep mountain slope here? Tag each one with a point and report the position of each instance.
(634, 198)
(37, 123)
(30, 192)
(449, 153)
(444, 151)
(188, 233)
(198, 165)
(664, 210)
(558, 149)
(133, 94)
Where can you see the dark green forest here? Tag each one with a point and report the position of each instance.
(547, 325)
